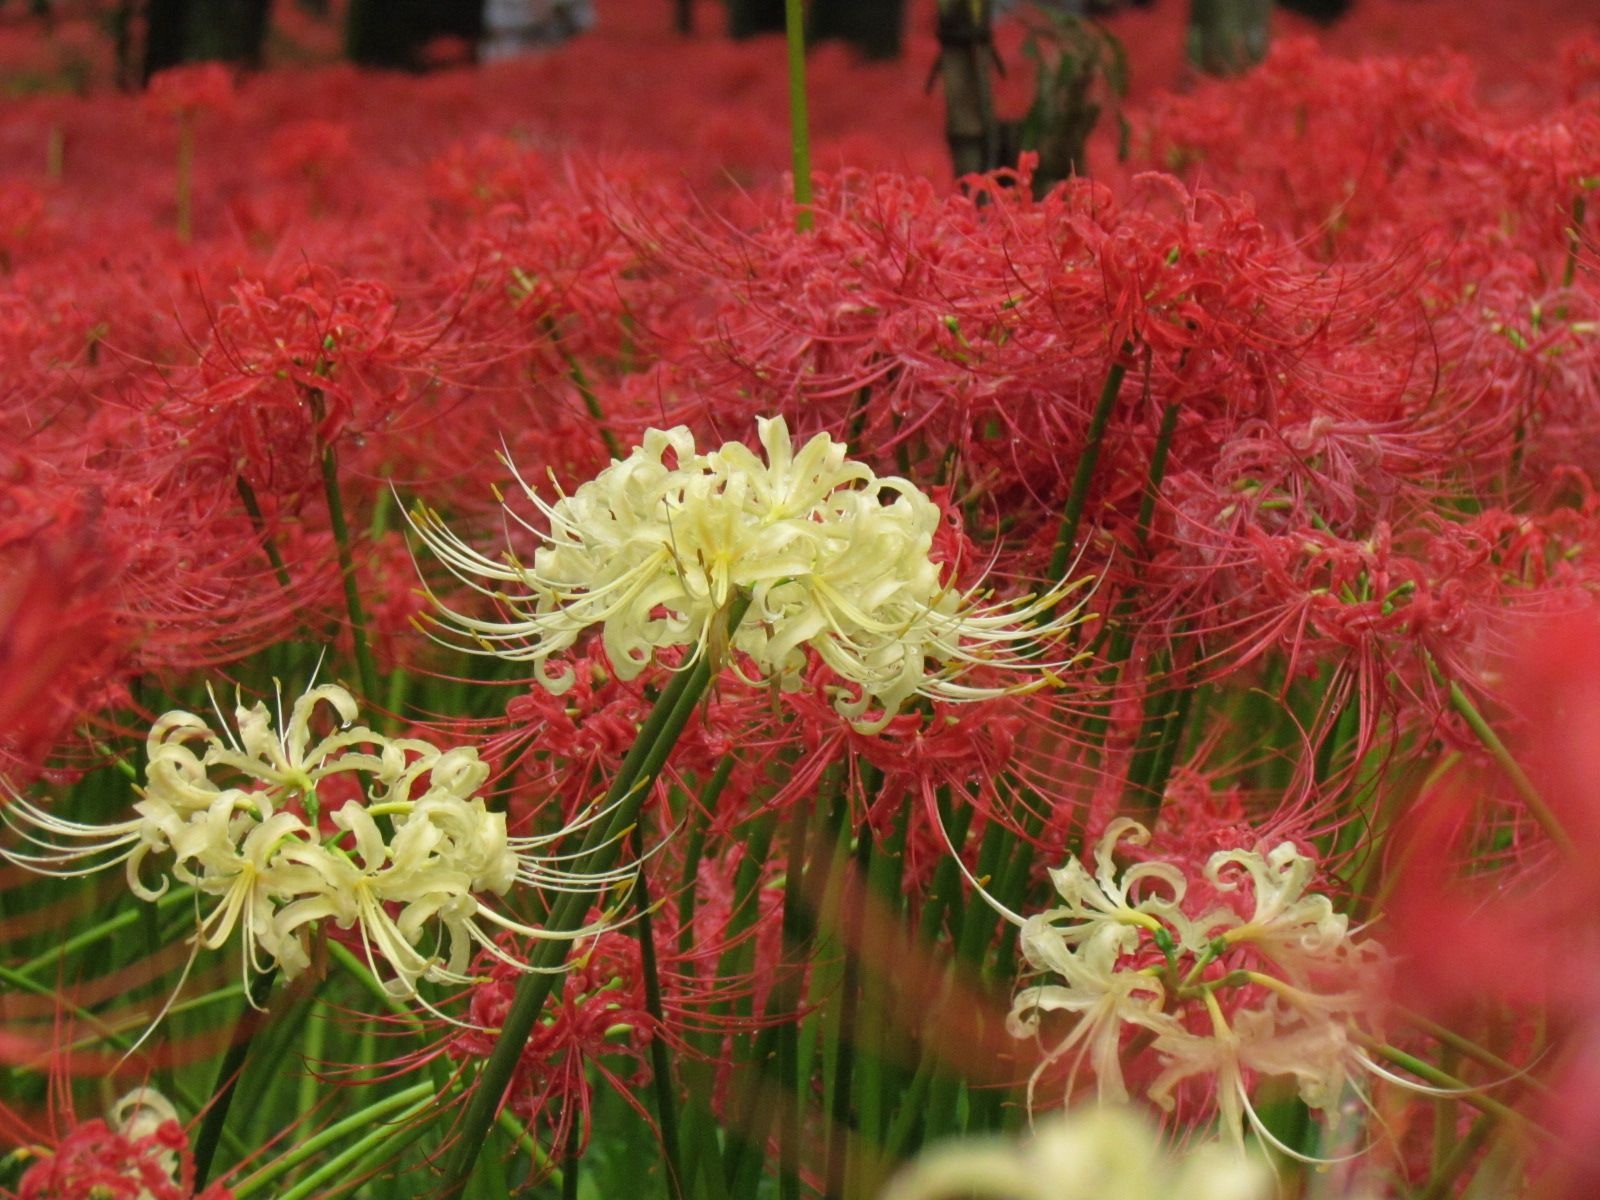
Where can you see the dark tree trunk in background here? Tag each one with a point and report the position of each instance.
(1227, 36)
(230, 30)
(1326, 11)
(683, 16)
(966, 62)
(166, 35)
(253, 32)
(393, 33)
(385, 33)
(179, 31)
(875, 27)
(746, 18)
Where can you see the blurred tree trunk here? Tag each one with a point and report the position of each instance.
(393, 33)
(1080, 68)
(875, 27)
(166, 34)
(1326, 11)
(683, 16)
(179, 31)
(229, 30)
(966, 63)
(746, 18)
(1227, 36)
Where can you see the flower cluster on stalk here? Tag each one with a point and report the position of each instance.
(1228, 977)
(140, 1153)
(278, 831)
(834, 559)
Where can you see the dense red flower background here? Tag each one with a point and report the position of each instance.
(1340, 319)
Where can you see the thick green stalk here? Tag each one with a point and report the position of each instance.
(624, 800)
(205, 1143)
(794, 19)
(1072, 510)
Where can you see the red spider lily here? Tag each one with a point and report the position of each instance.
(198, 87)
(56, 639)
(598, 1022)
(1485, 908)
(94, 1163)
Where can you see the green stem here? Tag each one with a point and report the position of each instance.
(347, 568)
(247, 497)
(786, 1001)
(591, 404)
(1519, 778)
(343, 1167)
(572, 1158)
(624, 800)
(1072, 510)
(1444, 1176)
(319, 1141)
(116, 924)
(1467, 1048)
(232, 1066)
(1569, 271)
(1434, 1077)
(794, 19)
(836, 1164)
(660, 1062)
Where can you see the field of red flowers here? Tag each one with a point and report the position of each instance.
(530, 664)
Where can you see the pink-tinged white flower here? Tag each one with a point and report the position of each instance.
(833, 559)
(1238, 975)
(1101, 1152)
(412, 864)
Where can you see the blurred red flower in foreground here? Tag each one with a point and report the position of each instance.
(1492, 909)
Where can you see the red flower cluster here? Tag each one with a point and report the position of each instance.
(94, 1163)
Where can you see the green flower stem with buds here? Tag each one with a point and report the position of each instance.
(626, 796)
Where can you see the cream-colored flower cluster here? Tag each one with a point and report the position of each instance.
(833, 559)
(277, 832)
(1265, 979)
(1101, 1152)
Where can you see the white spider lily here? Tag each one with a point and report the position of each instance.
(833, 558)
(1101, 1152)
(1267, 983)
(239, 815)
